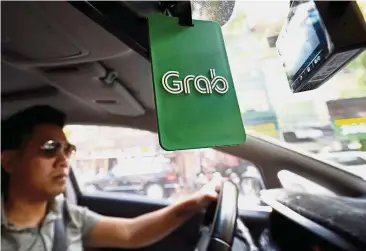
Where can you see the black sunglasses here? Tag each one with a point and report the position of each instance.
(52, 147)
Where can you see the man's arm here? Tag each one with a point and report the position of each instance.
(149, 228)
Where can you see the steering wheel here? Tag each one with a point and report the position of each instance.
(223, 215)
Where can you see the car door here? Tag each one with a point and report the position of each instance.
(186, 166)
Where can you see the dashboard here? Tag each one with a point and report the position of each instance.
(285, 234)
(305, 222)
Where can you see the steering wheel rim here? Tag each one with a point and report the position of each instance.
(221, 234)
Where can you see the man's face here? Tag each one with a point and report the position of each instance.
(37, 172)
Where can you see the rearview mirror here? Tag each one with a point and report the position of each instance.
(220, 11)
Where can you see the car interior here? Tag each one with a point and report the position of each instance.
(91, 60)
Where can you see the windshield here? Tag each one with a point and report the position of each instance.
(328, 119)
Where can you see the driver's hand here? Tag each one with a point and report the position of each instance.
(203, 197)
(212, 188)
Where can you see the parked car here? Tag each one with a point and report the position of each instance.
(350, 161)
(246, 176)
(353, 162)
(152, 178)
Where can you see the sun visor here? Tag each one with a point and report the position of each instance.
(97, 87)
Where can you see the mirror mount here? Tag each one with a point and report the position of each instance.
(180, 9)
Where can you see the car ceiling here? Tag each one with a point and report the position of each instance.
(53, 54)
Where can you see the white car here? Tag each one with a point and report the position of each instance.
(350, 161)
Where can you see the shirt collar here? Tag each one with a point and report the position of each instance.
(53, 213)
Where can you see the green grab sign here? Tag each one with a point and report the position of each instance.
(184, 86)
(196, 103)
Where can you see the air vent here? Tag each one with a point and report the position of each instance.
(63, 69)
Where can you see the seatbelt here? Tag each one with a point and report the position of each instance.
(60, 233)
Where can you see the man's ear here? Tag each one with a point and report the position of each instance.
(8, 159)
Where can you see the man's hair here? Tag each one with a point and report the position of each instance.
(17, 129)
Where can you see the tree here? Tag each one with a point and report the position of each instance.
(355, 73)
(358, 67)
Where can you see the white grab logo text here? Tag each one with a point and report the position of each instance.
(201, 83)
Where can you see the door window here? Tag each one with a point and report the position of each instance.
(121, 160)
